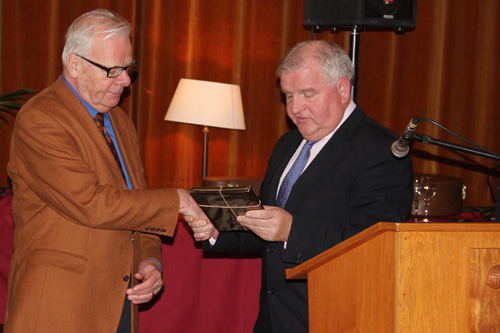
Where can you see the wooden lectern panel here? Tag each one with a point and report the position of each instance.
(407, 278)
(485, 287)
(357, 293)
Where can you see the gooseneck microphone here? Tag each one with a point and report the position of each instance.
(400, 148)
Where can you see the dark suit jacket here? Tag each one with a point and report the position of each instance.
(352, 184)
(79, 232)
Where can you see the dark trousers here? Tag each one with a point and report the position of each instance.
(125, 325)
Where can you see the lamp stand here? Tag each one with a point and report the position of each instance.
(205, 149)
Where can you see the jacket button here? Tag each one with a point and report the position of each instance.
(148, 228)
(271, 291)
(126, 278)
(163, 230)
(270, 250)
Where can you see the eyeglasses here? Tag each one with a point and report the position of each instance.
(113, 71)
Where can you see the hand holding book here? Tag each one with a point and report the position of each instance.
(223, 205)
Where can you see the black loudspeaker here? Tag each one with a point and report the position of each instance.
(399, 15)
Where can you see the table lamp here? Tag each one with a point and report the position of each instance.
(207, 103)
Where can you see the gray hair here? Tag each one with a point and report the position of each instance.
(85, 28)
(332, 58)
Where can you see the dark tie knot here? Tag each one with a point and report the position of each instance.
(309, 144)
(99, 119)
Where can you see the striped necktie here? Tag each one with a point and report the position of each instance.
(99, 121)
(294, 173)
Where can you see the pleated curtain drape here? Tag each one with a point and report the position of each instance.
(446, 70)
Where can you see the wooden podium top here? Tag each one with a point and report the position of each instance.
(300, 272)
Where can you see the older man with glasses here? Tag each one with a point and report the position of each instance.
(87, 249)
(116, 70)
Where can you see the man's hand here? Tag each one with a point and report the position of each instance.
(202, 229)
(272, 224)
(188, 207)
(151, 282)
(195, 217)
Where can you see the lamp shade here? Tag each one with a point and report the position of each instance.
(207, 103)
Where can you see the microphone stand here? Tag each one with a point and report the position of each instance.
(429, 140)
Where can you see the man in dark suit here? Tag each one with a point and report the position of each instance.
(348, 182)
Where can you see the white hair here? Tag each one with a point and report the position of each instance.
(85, 28)
(329, 55)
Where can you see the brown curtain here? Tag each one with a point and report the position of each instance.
(446, 70)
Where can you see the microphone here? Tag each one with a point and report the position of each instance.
(400, 148)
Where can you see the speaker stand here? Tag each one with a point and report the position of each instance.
(353, 51)
(353, 54)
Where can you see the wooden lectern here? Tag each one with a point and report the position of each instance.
(407, 277)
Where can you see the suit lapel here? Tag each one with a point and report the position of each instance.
(332, 153)
(80, 114)
(125, 144)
